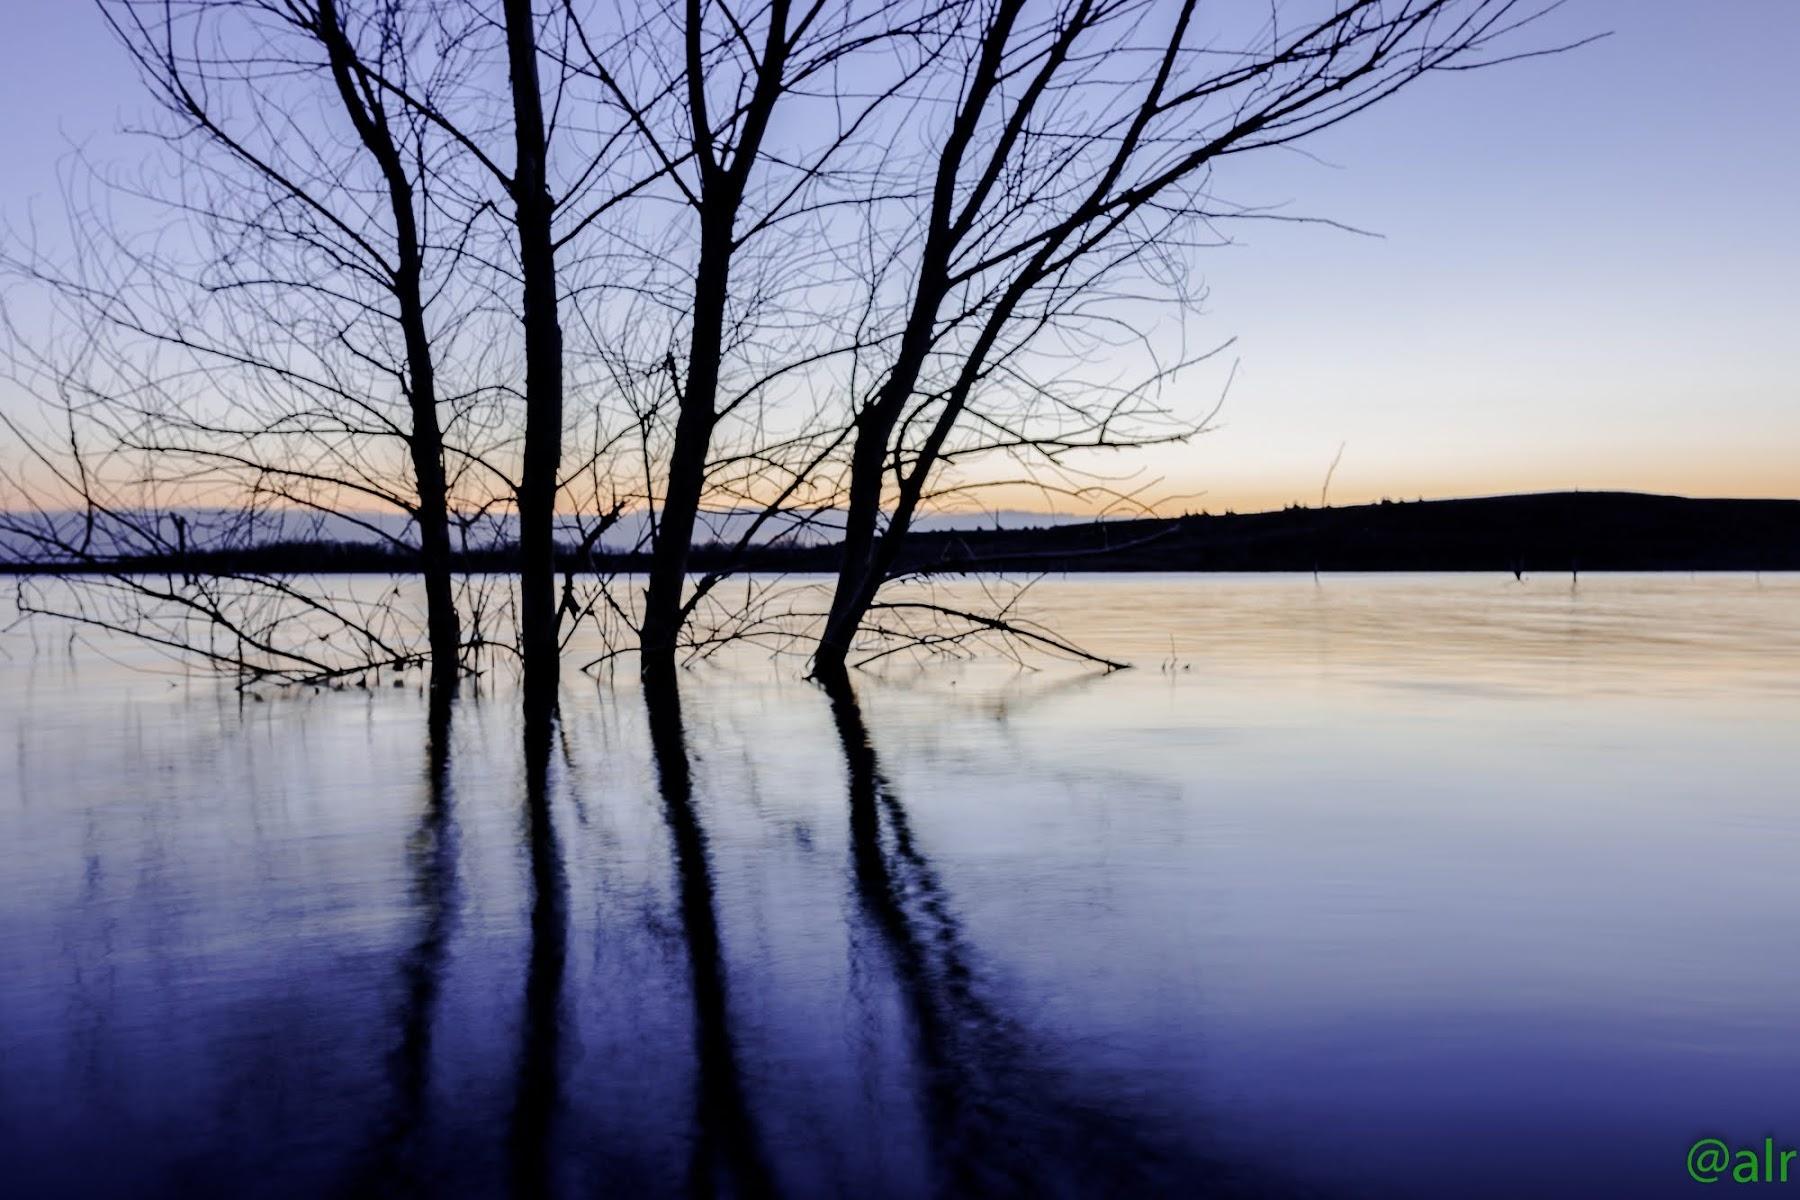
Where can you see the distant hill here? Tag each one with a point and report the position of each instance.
(1552, 531)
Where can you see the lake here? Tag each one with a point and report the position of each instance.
(1383, 886)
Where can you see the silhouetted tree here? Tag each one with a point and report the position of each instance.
(1078, 144)
(533, 216)
(290, 322)
(753, 271)
(759, 265)
(345, 265)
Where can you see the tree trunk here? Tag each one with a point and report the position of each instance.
(850, 599)
(867, 563)
(442, 622)
(533, 213)
(662, 621)
(426, 439)
(859, 575)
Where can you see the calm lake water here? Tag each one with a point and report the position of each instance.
(1371, 886)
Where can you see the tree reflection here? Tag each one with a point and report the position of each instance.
(391, 1165)
(727, 1153)
(537, 1089)
(1003, 1112)
(999, 1119)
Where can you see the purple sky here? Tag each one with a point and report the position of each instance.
(1586, 276)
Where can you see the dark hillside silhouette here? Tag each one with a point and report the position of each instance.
(1552, 531)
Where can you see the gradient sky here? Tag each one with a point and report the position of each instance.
(1586, 275)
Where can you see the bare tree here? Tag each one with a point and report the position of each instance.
(534, 214)
(760, 204)
(281, 317)
(338, 271)
(719, 274)
(368, 110)
(724, 154)
(1080, 145)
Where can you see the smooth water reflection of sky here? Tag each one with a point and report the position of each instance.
(1379, 886)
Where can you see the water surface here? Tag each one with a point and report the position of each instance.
(1368, 886)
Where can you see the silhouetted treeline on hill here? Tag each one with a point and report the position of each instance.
(1556, 531)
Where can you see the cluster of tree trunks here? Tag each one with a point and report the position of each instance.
(791, 259)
